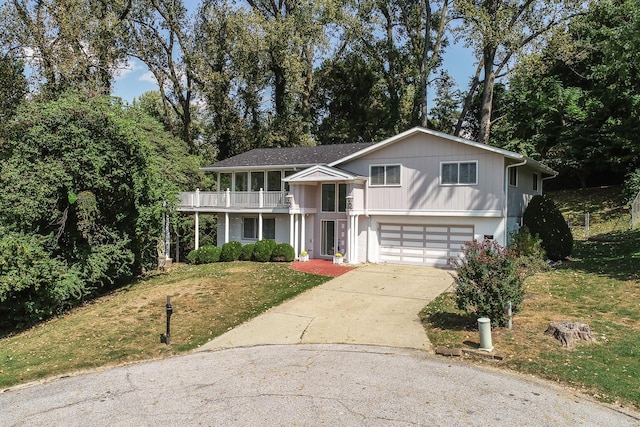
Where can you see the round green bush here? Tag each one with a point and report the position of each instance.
(544, 219)
(486, 279)
(263, 249)
(208, 254)
(192, 257)
(231, 251)
(283, 252)
(247, 252)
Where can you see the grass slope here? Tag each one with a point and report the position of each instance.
(125, 326)
(599, 286)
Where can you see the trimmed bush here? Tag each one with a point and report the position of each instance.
(525, 244)
(544, 219)
(247, 252)
(208, 254)
(283, 252)
(263, 249)
(231, 251)
(192, 257)
(486, 279)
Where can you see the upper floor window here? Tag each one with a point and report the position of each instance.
(242, 181)
(381, 175)
(274, 181)
(453, 173)
(513, 177)
(535, 182)
(329, 201)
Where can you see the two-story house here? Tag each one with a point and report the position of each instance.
(413, 198)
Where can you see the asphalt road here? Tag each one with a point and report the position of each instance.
(303, 385)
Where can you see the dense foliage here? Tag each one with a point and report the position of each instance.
(544, 219)
(263, 249)
(82, 202)
(486, 280)
(247, 252)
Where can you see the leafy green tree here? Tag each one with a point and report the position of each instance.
(544, 219)
(13, 86)
(86, 181)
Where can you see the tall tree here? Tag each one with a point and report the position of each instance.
(159, 34)
(500, 30)
(67, 43)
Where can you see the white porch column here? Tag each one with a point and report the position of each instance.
(226, 227)
(295, 231)
(259, 225)
(291, 225)
(303, 227)
(197, 231)
(349, 248)
(355, 238)
(197, 201)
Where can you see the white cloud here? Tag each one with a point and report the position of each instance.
(124, 69)
(148, 77)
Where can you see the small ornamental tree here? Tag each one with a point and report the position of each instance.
(544, 219)
(486, 280)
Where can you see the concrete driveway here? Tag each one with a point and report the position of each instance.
(374, 304)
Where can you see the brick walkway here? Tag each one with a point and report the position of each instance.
(321, 267)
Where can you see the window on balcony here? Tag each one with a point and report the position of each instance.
(274, 181)
(224, 181)
(242, 181)
(286, 174)
(257, 181)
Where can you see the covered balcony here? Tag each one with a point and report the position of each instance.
(205, 200)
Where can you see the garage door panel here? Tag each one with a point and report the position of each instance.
(426, 244)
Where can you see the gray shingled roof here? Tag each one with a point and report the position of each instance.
(294, 156)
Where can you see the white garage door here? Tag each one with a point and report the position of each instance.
(422, 244)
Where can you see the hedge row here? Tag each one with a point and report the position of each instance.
(261, 251)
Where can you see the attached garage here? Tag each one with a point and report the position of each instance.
(422, 244)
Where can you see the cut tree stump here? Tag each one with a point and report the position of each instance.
(568, 332)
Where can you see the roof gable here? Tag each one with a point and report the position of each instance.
(321, 173)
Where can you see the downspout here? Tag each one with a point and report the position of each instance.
(506, 199)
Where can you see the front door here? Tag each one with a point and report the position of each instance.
(328, 238)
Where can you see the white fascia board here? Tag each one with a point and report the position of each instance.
(416, 130)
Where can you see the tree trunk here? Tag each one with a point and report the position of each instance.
(487, 95)
(568, 332)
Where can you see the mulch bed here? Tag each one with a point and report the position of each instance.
(321, 267)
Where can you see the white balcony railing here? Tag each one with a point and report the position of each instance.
(233, 199)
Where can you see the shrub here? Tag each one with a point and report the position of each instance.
(263, 249)
(231, 251)
(192, 257)
(544, 219)
(283, 252)
(208, 254)
(247, 252)
(486, 279)
(525, 244)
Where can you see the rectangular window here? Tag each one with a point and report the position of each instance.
(274, 181)
(328, 238)
(342, 197)
(257, 181)
(513, 177)
(225, 181)
(455, 173)
(269, 228)
(535, 182)
(242, 181)
(384, 175)
(250, 228)
(328, 197)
